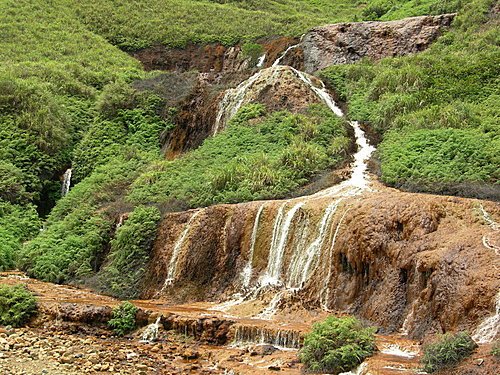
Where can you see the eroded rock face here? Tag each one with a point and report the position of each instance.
(278, 88)
(210, 58)
(402, 261)
(346, 43)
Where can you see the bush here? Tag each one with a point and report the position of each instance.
(17, 305)
(447, 351)
(495, 351)
(130, 253)
(123, 320)
(257, 156)
(337, 345)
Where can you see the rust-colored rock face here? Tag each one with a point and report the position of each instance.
(403, 261)
(210, 58)
(346, 43)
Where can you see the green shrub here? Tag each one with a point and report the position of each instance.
(129, 254)
(257, 156)
(337, 345)
(447, 351)
(123, 320)
(495, 350)
(252, 51)
(17, 305)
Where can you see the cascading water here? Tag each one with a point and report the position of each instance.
(66, 182)
(261, 60)
(283, 55)
(150, 333)
(232, 102)
(488, 330)
(303, 261)
(305, 257)
(280, 338)
(246, 274)
(278, 244)
(172, 267)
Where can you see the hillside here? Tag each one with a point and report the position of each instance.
(164, 149)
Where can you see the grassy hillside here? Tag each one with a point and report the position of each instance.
(66, 100)
(138, 24)
(438, 111)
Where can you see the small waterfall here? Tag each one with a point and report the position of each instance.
(325, 291)
(280, 338)
(278, 61)
(487, 217)
(361, 370)
(246, 274)
(66, 182)
(150, 334)
(260, 62)
(302, 261)
(271, 309)
(172, 267)
(278, 243)
(232, 102)
(405, 328)
(487, 331)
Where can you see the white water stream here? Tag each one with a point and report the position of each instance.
(305, 258)
(246, 274)
(260, 62)
(278, 244)
(150, 333)
(303, 261)
(172, 266)
(66, 182)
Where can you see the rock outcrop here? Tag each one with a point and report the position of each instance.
(346, 43)
(403, 261)
(278, 88)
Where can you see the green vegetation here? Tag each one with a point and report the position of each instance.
(123, 320)
(495, 350)
(66, 100)
(337, 345)
(129, 253)
(448, 351)
(17, 305)
(258, 156)
(437, 110)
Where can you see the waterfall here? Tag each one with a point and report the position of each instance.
(304, 258)
(278, 61)
(246, 274)
(150, 334)
(487, 331)
(260, 62)
(271, 309)
(361, 370)
(66, 182)
(172, 267)
(280, 338)
(232, 102)
(278, 243)
(302, 261)
(325, 291)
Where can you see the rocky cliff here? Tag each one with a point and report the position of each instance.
(346, 43)
(403, 261)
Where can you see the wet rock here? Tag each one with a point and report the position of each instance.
(190, 354)
(263, 350)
